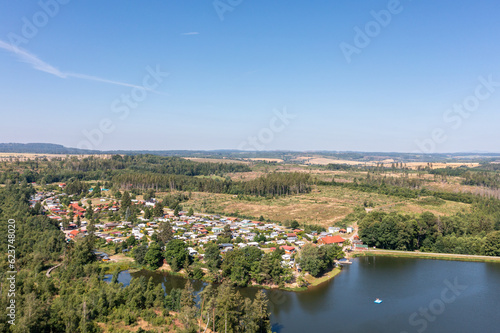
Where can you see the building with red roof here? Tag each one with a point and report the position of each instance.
(288, 249)
(77, 208)
(331, 240)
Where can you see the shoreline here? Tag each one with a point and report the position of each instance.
(112, 267)
(425, 255)
(325, 278)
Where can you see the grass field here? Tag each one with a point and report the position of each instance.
(325, 205)
(313, 282)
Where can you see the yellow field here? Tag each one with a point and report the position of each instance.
(29, 156)
(415, 165)
(277, 160)
(325, 161)
(214, 160)
(387, 163)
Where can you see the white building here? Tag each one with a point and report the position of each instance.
(333, 230)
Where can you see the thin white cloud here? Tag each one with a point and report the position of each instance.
(32, 60)
(98, 79)
(190, 33)
(40, 65)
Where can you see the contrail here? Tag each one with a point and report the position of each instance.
(41, 65)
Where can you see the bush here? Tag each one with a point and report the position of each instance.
(198, 273)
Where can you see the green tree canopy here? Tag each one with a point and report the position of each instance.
(176, 254)
(154, 256)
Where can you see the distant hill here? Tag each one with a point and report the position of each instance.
(50, 148)
(42, 148)
(287, 156)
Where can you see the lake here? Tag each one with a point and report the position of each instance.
(418, 296)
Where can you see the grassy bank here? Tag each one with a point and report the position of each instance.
(111, 267)
(423, 255)
(313, 282)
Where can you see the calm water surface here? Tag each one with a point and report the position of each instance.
(418, 296)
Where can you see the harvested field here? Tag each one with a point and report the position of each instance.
(214, 160)
(29, 156)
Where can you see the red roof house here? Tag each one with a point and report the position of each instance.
(77, 208)
(331, 240)
(288, 249)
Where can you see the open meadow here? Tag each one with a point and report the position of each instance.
(325, 205)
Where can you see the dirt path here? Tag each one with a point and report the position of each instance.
(355, 229)
(51, 269)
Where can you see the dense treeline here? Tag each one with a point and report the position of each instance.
(94, 168)
(476, 232)
(486, 175)
(342, 167)
(487, 179)
(274, 184)
(489, 167)
(448, 171)
(250, 263)
(170, 182)
(316, 260)
(30, 230)
(156, 164)
(159, 173)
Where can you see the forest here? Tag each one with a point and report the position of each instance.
(476, 232)
(273, 184)
(95, 168)
(155, 172)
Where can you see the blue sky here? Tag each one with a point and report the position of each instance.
(234, 65)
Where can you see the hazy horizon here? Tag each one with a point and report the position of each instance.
(268, 150)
